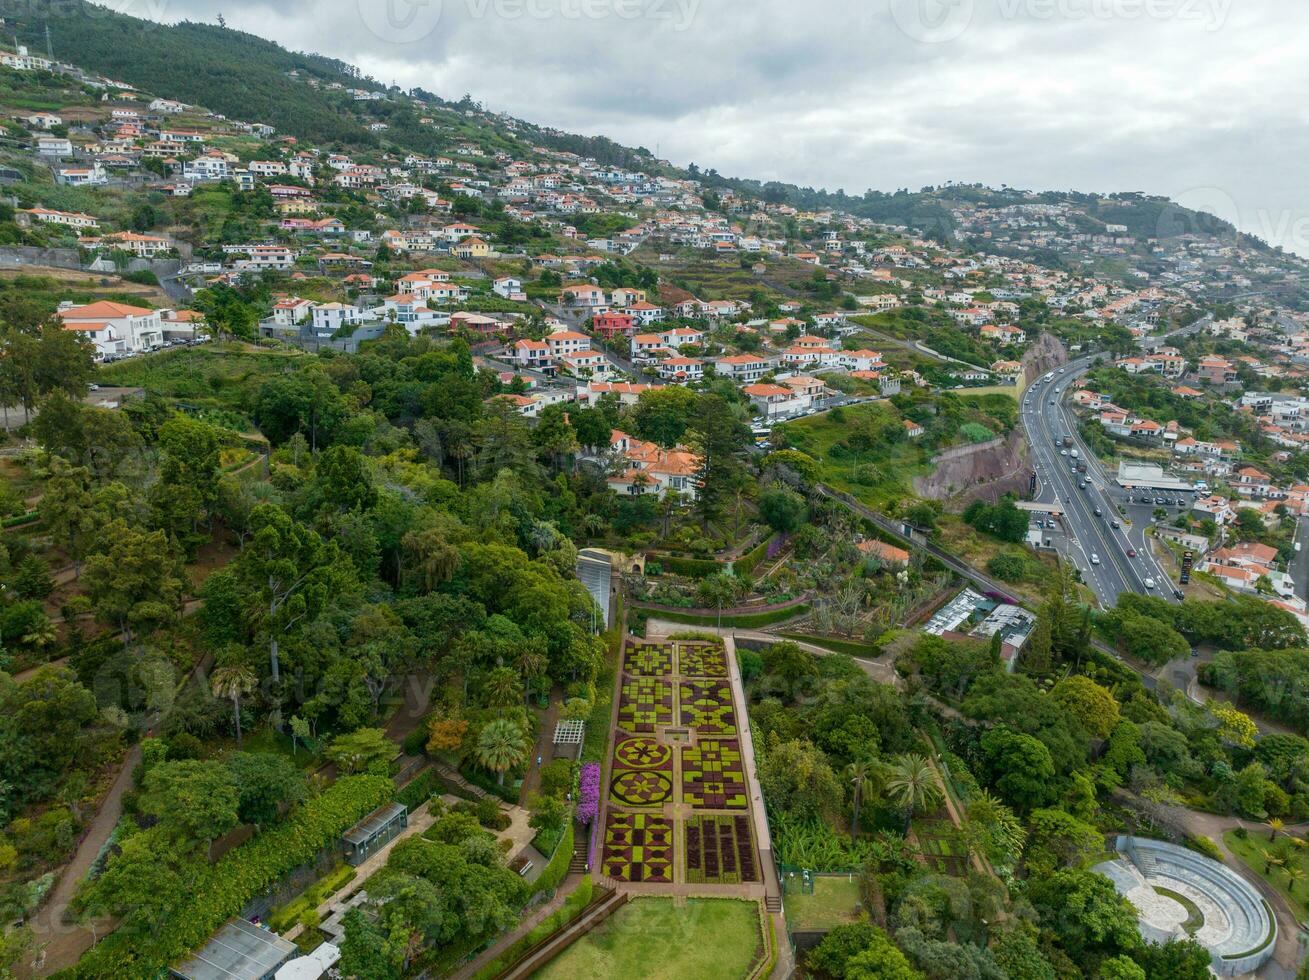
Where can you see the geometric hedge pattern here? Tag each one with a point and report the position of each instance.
(713, 777)
(701, 661)
(719, 851)
(707, 707)
(648, 659)
(642, 753)
(645, 703)
(638, 847)
(642, 773)
(641, 789)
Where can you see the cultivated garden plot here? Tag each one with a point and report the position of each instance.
(644, 704)
(713, 776)
(719, 851)
(938, 842)
(638, 847)
(648, 659)
(642, 773)
(707, 707)
(701, 660)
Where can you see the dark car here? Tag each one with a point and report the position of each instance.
(1131, 552)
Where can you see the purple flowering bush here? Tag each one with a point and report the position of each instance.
(588, 803)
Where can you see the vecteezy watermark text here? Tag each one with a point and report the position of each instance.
(407, 21)
(939, 21)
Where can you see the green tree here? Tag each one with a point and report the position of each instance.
(1092, 705)
(1020, 766)
(265, 782)
(66, 510)
(289, 572)
(362, 750)
(233, 681)
(195, 800)
(718, 438)
(135, 583)
(784, 510)
(501, 746)
(912, 784)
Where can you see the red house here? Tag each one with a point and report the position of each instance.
(611, 325)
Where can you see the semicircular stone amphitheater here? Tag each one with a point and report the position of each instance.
(1179, 894)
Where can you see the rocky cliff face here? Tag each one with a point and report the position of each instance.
(989, 470)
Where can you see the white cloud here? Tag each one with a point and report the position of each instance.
(1164, 96)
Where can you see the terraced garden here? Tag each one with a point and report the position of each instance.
(676, 751)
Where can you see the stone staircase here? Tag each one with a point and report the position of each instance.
(581, 848)
(773, 904)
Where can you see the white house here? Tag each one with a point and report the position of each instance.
(69, 219)
(509, 288)
(331, 317)
(115, 328)
(54, 146)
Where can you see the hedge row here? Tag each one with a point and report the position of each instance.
(867, 651)
(744, 621)
(690, 567)
(557, 870)
(746, 564)
(19, 520)
(226, 886)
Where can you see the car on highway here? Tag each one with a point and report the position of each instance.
(1115, 525)
(1098, 512)
(1095, 559)
(1064, 453)
(1131, 552)
(1149, 583)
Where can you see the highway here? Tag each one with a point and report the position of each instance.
(1045, 418)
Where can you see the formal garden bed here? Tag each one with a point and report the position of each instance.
(719, 851)
(638, 847)
(713, 775)
(707, 707)
(645, 703)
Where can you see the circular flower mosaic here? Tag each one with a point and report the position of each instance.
(642, 753)
(641, 788)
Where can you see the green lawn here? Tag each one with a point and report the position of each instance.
(832, 903)
(713, 939)
(1250, 851)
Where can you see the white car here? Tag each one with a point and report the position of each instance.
(1149, 583)
(1095, 559)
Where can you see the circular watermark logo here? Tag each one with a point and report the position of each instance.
(933, 21)
(400, 21)
(1193, 212)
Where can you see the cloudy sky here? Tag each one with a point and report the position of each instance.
(1202, 100)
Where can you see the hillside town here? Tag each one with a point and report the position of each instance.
(434, 543)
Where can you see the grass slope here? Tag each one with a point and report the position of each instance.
(708, 939)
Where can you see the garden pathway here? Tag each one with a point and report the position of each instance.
(538, 915)
(544, 748)
(65, 942)
(419, 821)
(881, 670)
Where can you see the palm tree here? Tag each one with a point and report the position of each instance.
(501, 746)
(1274, 825)
(913, 785)
(233, 682)
(502, 687)
(531, 665)
(1294, 875)
(857, 773)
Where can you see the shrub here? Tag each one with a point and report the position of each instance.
(223, 888)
